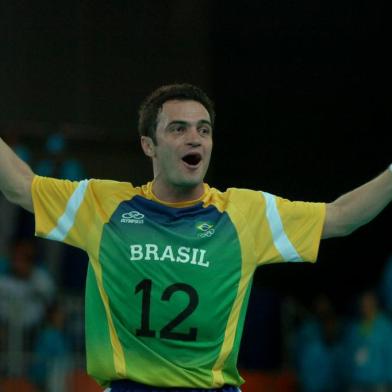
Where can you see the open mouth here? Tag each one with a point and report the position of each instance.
(192, 159)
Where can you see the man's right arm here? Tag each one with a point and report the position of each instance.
(15, 178)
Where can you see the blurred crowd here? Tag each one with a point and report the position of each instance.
(326, 344)
(350, 352)
(41, 310)
(41, 284)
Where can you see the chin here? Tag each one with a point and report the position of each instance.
(189, 179)
(190, 183)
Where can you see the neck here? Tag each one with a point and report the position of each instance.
(176, 194)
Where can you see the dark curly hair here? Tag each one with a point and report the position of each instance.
(150, 107)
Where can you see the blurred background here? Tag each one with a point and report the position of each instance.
(301, 92)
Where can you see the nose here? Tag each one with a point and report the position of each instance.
(193, 137)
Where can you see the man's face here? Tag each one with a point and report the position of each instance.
(183, 146)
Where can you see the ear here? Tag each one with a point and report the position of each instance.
(148, 146)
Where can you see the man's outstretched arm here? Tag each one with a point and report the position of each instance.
(15, 178)
(358, 207)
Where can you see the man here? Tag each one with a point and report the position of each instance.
(171, 262)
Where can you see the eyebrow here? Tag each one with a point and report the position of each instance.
(181, 122)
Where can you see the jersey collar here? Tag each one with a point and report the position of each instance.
(150, 195)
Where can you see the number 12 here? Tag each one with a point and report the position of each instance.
(167, 331)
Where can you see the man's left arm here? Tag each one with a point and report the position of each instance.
(358, 207)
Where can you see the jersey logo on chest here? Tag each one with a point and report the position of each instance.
(132, 217)
(205, 229)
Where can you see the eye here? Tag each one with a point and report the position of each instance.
(205, 131)
(178, 128)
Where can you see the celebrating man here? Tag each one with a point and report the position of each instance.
(172, 261)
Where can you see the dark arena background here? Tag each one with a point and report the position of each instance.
(302, 94)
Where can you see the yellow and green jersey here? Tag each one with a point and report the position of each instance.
(168, 283)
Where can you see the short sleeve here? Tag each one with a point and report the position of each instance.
(294, 229)
(61, 209)
(277, 229)
(73, 212)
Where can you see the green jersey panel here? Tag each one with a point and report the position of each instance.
(97, 330)
(171, 276)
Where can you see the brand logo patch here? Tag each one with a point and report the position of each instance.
(132, 217)
(205, 229)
